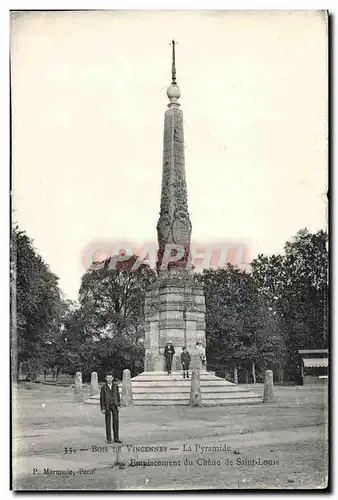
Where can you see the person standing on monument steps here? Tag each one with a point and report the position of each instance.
(185, 361)
(169, 352)
(110, 403)
(201, 353)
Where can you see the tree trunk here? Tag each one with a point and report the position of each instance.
(253, 372)
(17, 369)
(246, 376)
(235, 375)
(14, 364)
(281, 373)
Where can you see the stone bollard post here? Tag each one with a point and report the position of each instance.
(127, 392)
(235, 375)
(78, 394)
(94, 385)
(268, 395)
(195, 390)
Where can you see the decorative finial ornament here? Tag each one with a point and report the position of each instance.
(173, 91)
(173, 67)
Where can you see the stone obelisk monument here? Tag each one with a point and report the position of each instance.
(175, 306)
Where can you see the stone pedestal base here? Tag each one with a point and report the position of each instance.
(153, 361)
(174, 310)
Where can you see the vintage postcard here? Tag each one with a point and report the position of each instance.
(169, 250)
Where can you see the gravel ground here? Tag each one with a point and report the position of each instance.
(282, 445)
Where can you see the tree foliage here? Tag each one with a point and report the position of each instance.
(37, 305)
(237, 324)
(254, 321)
(112, 316)
(295, 287)
(262, 319)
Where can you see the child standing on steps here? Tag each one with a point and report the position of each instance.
(185, 361)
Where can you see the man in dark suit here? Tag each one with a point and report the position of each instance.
(110, 403)
(169, 352)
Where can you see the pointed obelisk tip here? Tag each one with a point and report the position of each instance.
(173, 67)
(173, 91)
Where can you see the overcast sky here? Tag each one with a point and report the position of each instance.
(88, 101)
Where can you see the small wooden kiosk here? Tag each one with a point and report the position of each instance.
(314, 366)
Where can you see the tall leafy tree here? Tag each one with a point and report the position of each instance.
(112, 311)
(36, 303)
(294, 288)
(305, 298)
(232, 319)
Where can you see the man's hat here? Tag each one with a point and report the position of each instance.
(183, 347)
(169, 342)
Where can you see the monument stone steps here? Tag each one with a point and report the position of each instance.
(184, 388)
(168, 382)
(177, 376)
(186, 396)
(158, 388)
(209, 402)
(155, 388)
